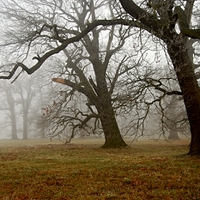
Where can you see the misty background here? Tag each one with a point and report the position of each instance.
(33, 106)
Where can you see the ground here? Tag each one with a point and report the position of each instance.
(44, 169)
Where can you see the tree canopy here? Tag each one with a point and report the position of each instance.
(56, 28)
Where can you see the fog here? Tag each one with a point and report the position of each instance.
(139, 73)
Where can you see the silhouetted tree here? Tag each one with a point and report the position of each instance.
(9, 106)
(157, 17)
(164, 28)
(25, 93)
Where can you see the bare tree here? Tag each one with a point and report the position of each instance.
(93, 68)
(25, 94)
(17, 103)
(9, 106)
(177, 50)
(153, 18)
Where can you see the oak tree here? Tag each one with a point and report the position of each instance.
(159, 18)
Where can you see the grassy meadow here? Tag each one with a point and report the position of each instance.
(81, 170)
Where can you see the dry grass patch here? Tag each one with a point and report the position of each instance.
(143, 171)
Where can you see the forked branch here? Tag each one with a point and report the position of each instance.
(64, 44)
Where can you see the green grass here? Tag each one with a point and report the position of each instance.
(54, 171)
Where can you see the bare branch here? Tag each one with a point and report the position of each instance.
(184, 25)
(65, 43)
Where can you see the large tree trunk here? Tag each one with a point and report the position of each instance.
(190, 89)
(113, 138)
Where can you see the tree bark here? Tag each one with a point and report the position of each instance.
(190, 89)
(113, 138)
